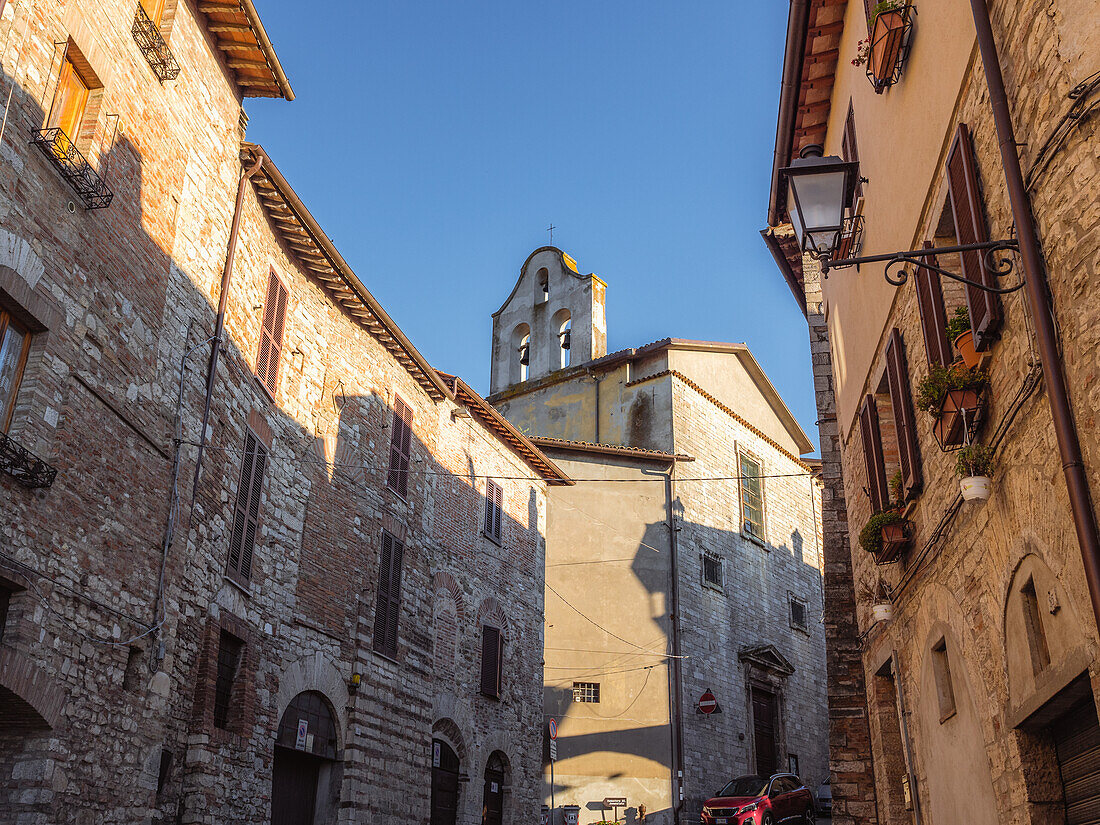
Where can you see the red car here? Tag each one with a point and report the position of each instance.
(759, 801)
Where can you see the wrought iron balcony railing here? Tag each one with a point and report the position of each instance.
(92, 189)
(23, 466)
(151, 42)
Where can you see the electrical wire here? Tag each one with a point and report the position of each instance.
(592, 621)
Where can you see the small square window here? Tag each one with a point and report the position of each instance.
(798, 614)
(712, 570)
(586, 692)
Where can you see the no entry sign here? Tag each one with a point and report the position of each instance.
(707, 703)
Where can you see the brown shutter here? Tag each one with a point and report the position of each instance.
(400, 448)
(271, 333)
(494, 504)
(388, 607)
(872, 453)
(897, 374)
(246, 511)
(933, 316)
(850, 151)
(491, 649)
(970, 227)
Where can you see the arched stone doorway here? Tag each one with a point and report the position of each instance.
(445, 776)
(305, 762)
(496, 780)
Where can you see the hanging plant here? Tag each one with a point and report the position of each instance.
(933, 389)
(890, 27)
(880, 596)
(885, 535)
(961, 335)
(955, 397)
(974, 468)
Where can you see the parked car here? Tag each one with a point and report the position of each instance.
(825, 797)
(758, 800)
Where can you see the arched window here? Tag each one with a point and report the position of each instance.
(563, 326)
(542, 289)
(308, 725)
(520, 359)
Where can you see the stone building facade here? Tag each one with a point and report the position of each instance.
(691, 492)
(338, 616)
(977, 700)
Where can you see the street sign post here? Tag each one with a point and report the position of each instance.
(615, 802)
(552, 727)
(707, 703)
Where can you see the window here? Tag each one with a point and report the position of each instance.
(905, 426)
(388, 608)
(492, 654)
(524, 357)
(798, 613)
(850, 154)
(933, 315)
(752, 498)
(229, 662)
(246, 511)
(562, 324)
(792, 765)
(400, 448)
(131, 677)
(586, 692)
(5, 603)
(519, 357)
(271, 333)
(154, 9)
(494, 506)
(14, 343)
(165, 771)
(1033, 625)
(712, 570)
(70, 101)
(941, 669)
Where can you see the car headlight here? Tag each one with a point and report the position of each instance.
(748, 809)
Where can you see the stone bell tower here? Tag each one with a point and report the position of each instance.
(553, 319)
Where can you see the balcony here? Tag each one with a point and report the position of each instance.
(85, 181)
(23, 466)
(151, 42)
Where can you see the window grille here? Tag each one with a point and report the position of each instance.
(712, 569)
(798, 614)
(586, 692)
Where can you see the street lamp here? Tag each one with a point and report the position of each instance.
(817, 190)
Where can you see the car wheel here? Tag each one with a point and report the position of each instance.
(809, 817)
(767, 820)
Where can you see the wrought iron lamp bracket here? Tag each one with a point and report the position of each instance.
(998, 265)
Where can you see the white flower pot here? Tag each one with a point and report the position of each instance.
(975, 488)
(882, 612)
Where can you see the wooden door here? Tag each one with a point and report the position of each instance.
(445, 768)
(763, 720)
(1077, 743)
(492, 809)
(293, 787)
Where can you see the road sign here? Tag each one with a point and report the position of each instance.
(553, 729)
(553, 750)
(707, 702)
(615, 802)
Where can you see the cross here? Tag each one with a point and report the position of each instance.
(551, 229)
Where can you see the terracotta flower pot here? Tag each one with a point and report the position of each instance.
(895, 538)
(965, 346)
(887, 37)
(962, 410)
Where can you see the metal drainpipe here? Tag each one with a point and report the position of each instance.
(219, 325)
(1038, 292)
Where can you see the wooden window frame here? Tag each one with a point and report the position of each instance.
(397, 479)
(717, 564)
(6, 320)
(492, 677)
(387, 610)
(494, 512)
(742, 456)
(968, 213)
(247, 506)
(850, 152)
(877, 485)
(792, 600)
(933, 313)
(267, 372)
(905, 422)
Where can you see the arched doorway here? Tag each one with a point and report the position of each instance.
(305, 750)
(445, 771)
(492, 806)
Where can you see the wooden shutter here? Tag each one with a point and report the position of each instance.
(271, 333)
(970, 227)
(388, 608)
(246, 511)
(933, 316)
(494, 506)
(850, 151)
(877, 487)
(897, 376)
(400, 448)
(492, 649)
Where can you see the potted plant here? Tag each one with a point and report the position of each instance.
(955, 397)
(897, 492)
(881, 598)
(974, 468)
(889, 27)
(959, 331)
(885, 536)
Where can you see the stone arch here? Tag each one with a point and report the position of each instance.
(491, 613)
(449, 731)
(32, 686)
(444, 583)
(315, 672)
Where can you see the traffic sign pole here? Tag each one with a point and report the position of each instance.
(553, 758)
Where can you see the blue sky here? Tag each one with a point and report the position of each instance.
(436, 141)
